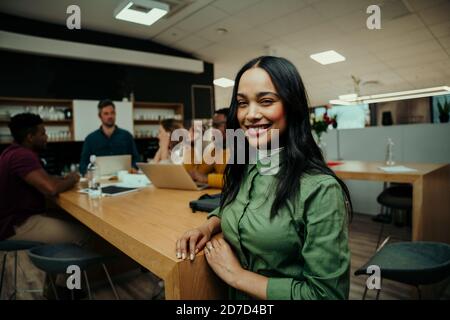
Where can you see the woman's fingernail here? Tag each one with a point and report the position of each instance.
(192, 256)
(178, 255)
(196, 251)
(183, 256)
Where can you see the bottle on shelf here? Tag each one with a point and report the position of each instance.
(68, 114)
(390, 153)
(93, 176)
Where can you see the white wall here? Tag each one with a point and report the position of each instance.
(413, 143)
(85, 117)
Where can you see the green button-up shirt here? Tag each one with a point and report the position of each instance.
(303, 250)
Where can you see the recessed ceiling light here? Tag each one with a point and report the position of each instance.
(144, 12)
(327, 57)
(224, 82)
(221, 31)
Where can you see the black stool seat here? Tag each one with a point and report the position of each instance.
(17, 245)
(397, 197)
(56, 258)
(13, 246)
(414, 263)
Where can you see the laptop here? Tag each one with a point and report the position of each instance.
(170, 176)
(110, 165)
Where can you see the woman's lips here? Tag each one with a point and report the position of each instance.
(254, 132)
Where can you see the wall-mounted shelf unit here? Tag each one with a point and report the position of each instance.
(57, 115)
(72, 120)
(147, 116)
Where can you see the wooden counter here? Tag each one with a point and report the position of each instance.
(145, 226)
(431, 193)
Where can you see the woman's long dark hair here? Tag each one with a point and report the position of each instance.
(302, 155)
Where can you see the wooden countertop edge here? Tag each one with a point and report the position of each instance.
(158, 262)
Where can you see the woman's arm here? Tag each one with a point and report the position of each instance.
(226, 265)
(164, 153)
(253, 284)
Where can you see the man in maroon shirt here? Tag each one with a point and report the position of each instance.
(24, 185)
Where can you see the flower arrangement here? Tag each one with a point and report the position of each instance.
(320, 124)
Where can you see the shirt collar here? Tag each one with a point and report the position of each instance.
(116, 129)
(269, 161)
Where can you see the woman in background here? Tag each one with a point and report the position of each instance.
(166, 128)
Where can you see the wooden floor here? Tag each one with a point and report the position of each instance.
(139, 285)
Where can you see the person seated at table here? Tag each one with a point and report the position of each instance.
(166, 128)
(24, 186)
(284, 219)
(109, 139)
(189, 154)
(212, 174)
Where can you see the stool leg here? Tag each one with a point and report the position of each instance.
(378, 294)
(87, 284)
(14, 294)
(52, 283)
(379, 290)
(365, 292)
(419, 293)
(380, 234)
(110, 282)
(3, 272)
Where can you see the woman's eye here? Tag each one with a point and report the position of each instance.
(242, 103)
(266, 102)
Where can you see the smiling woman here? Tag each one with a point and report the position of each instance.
(285, 233)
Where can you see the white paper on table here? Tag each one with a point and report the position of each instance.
(397, 169)
(134, 181)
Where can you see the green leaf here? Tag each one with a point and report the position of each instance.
(443, 108)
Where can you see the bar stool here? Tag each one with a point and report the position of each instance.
(414, 263)
(55, 259)
(395, 197)
(13, 246)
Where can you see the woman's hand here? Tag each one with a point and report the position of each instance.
(198, 176)
(192, 241)
(223, 261)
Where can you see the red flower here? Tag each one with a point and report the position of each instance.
(327, 119)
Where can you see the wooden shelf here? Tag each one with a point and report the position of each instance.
(57, 122)
(60, 141)
(58, 104)
(36, 102)
(47, 123)
(48, 142)
(146, 122)
(178, 109)
(158, 105)
(147, 138)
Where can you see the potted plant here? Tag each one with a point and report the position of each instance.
(443, 111)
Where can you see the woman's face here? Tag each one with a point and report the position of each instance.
(260, 109)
